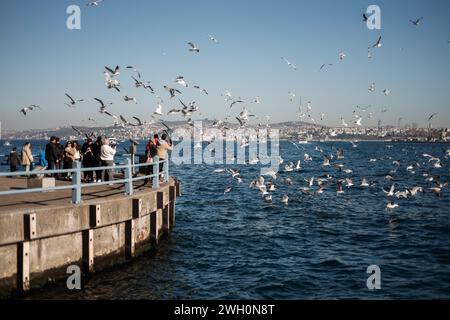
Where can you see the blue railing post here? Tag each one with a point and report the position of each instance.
(166, 170)
(129, 178)
(156, 172)
(76, 183)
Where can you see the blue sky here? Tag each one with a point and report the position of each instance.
(41, 59)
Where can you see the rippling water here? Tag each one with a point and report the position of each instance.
(235, 246)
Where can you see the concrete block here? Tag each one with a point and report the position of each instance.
(44, 182)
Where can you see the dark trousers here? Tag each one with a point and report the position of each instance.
(109, 175)
(161, 166)
(99, 173)
(13, 168)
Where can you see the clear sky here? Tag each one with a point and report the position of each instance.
(41, 59)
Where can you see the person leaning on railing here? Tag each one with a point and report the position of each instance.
(162, 148)
(107, 153)
(150, 153)
(13, 160)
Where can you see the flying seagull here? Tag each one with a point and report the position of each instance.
(29, 108)
(325, 65)
(213, 39)
(72, 101)
(172, 91)
(180, 80)
(94, 3)
(102, 105)
(289, 63)
(342, 55)
(417, 21)
(193, 47)
(201, 89)
(114, 72)
(431, 117)
(127, 98)
(377, 44)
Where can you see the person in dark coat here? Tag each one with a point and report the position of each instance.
(13, 160)
(96, 148)
(51, 154)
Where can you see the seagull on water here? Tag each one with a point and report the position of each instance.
(391, 205)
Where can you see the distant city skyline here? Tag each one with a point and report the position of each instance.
(43, 60)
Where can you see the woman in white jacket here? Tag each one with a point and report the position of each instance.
(107, 154)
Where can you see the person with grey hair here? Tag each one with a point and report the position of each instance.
(107, 153)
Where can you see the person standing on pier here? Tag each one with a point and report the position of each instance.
(96, 148)
(150, 152)
(27, 157)
(59, 154)
(51, 154)
(162, 148)
(13, 160)
(107, 153)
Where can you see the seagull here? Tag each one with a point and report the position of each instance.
(365, 17)
(289, 63)
(386, 92)
(343, 122)
(127, 98)
(172, 91)
(291, 96)
(257, 100)
(114, 72)
(227, 190)
(111, 83)
(72, 101)
(202, 90)
(377, 44)
(180, 80)
(431, 117)
(28, 108)
(342, 55)
(94, 3)
(193, 47)
(391, 205)
(417, 21)
(325, 65)
(358, 121)
(158, 110)
(139, 122)
(285, 199)
(213, 39)
(234, 102)
(135, 70)
(390, 193)
(102, 105)
(372, 87)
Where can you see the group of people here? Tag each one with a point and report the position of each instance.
(92, 154)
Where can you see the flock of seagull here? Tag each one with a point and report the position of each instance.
(112, 82)
(338, 175)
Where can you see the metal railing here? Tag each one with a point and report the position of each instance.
(77, 170)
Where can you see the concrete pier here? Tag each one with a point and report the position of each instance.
(41, 234)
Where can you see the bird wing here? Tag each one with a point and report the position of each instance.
(109, 70)
(71, 99)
